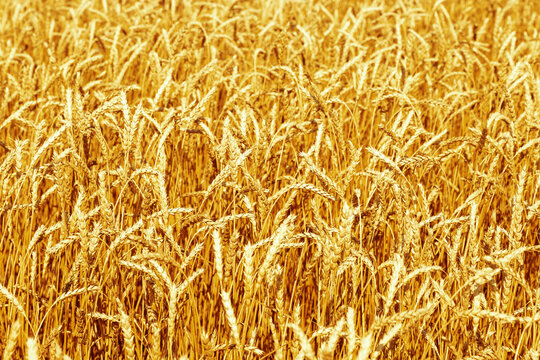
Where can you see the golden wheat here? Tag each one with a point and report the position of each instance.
(269, 179)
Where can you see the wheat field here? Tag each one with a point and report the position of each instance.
(289, 179)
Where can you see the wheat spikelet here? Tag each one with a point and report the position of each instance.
(32, 348)
(473, 229)
(280, 306)
(301, 186)
(218, 255)
(160, 271)
(318, 140)
(249, 275)
(282, 213)
(230, 258)
(77, 292)
(393, 285)
(12, 339)
(220, 223)
(13, 300)
(500, 317)
(405, 316)
(147, 256)
(321, 175)
(365, 347)
(517, 211)
(101, 316)
(231, 318)
(277, 237)
(127, 331)
(351, 332)
(155, 349)
(50, 141)
(17, 115)
(192, 255)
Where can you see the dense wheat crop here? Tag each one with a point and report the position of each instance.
(291, 179)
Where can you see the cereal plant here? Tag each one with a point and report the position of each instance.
(288, 179)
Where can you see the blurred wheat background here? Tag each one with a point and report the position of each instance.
(291, 179)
